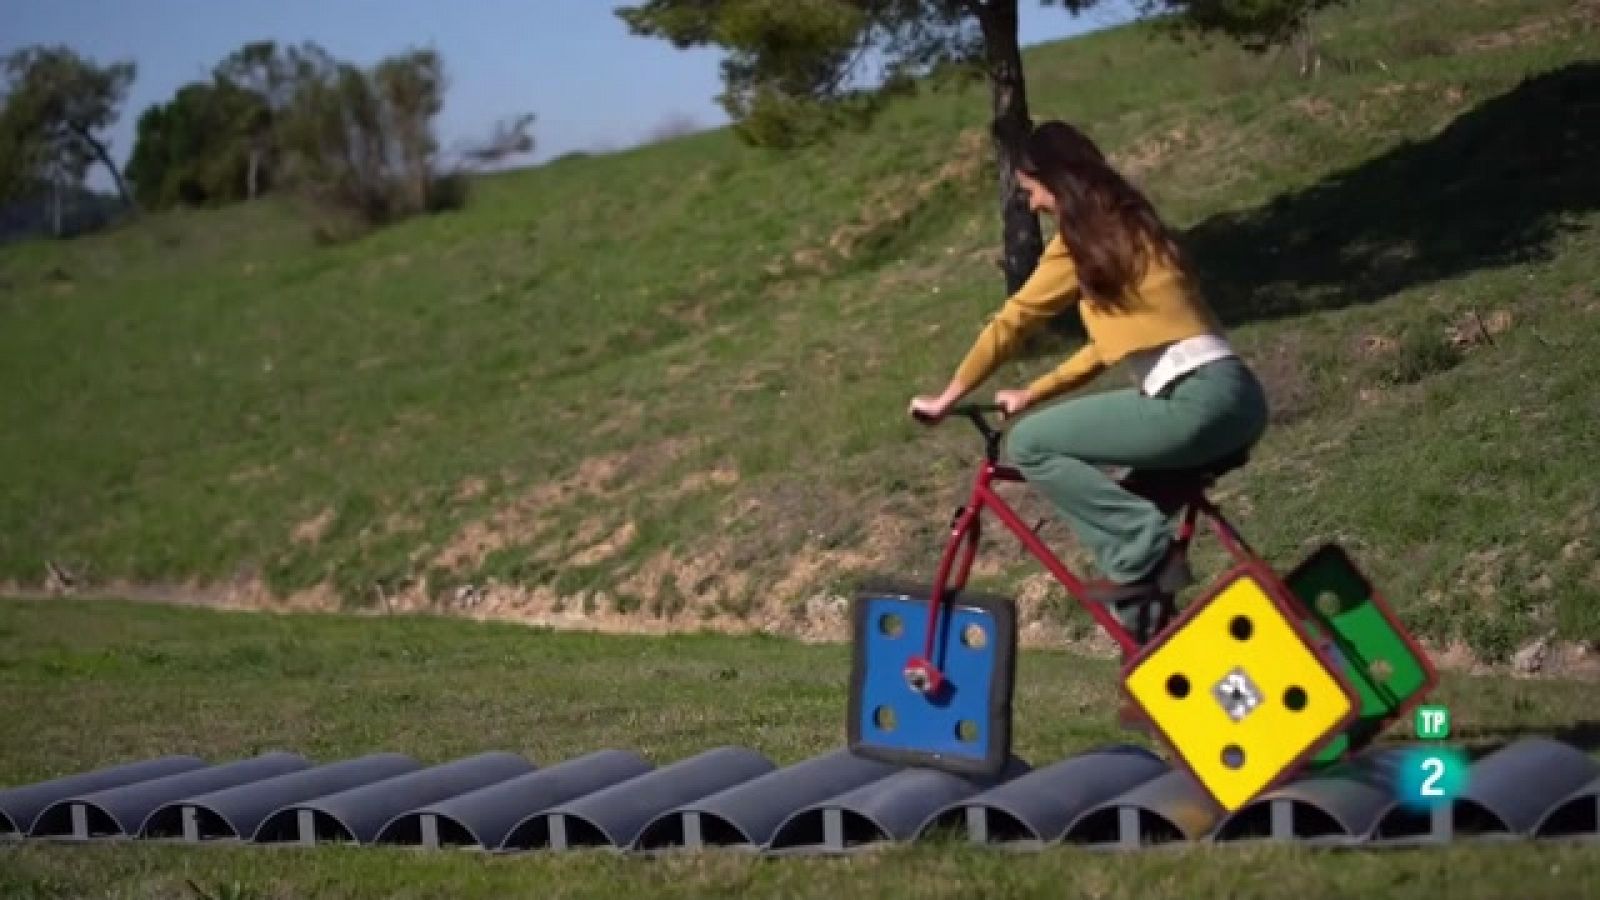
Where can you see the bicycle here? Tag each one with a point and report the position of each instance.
(976, 635)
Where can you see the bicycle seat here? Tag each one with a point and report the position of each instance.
(1175, 487)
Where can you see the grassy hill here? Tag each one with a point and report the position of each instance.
(664, 388)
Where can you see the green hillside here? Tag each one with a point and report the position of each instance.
(664, 388)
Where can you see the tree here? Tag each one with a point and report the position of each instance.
(222, 140)
(63, 169)
(57, 105)
(259, 69)
(795, 69)
(1256, 25)
(411, 89)
(361, 140)
(199, 149)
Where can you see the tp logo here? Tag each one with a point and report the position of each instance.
(1432, 723)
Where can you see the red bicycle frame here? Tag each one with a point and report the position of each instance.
(967, 528)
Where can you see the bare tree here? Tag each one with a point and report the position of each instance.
(510, 138)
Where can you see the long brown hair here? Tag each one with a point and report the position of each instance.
(1108, 225)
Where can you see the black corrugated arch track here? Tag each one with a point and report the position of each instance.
(235, 813)
(614, 816)
(886, 810)
(485, 817)
(356, 815)
(1339, 807)
(747, 815)
(20, 806)
(1111, 798)
(122, 811)
(1169, 808)
(1508, 793)
(1037, 808)
(1511, 790)
(1577, 816)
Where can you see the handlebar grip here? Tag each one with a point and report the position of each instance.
(962, 409)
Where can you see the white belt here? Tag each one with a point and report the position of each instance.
(1158, 367)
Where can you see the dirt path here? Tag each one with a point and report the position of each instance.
(819, 620)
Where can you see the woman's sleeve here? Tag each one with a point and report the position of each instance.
(1079, 369)
(1052, 288)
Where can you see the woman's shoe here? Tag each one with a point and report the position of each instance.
(1141, 607)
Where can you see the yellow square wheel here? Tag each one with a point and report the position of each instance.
(1238, 689)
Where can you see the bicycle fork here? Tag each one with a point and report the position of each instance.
(966, 527)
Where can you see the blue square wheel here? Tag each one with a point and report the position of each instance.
(965, 726)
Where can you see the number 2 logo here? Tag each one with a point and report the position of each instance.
(1430, 785)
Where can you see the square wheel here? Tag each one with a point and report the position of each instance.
(965, 726)
(1238, 689)
(1376, 654)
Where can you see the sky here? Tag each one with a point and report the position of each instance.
(502, 57)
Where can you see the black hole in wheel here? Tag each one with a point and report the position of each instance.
(1178, 685)
(1240, 628)
(890, 625)
(884, 718)
(1233, 756)
(1295, 698)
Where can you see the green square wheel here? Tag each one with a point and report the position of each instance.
(1390, 673)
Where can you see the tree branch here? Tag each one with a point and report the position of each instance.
(82, 134)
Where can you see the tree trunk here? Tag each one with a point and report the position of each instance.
(1009, 103)
(105, 159)
(251, 178)
(1306, 44)
(419, 182)
(56, 205)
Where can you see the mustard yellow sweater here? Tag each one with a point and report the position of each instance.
(1165, 309)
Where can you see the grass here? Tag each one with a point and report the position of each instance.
(88, 683)
(707, 350)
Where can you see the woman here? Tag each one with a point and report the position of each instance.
(1194, 400)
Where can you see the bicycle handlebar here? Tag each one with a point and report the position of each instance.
(975, 413)
(966, 409)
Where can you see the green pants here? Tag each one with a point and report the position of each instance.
(1215, 410)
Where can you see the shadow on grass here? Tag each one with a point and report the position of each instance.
(1496, 187)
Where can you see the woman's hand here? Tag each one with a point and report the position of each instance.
(1014, 401)
(928, 408)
